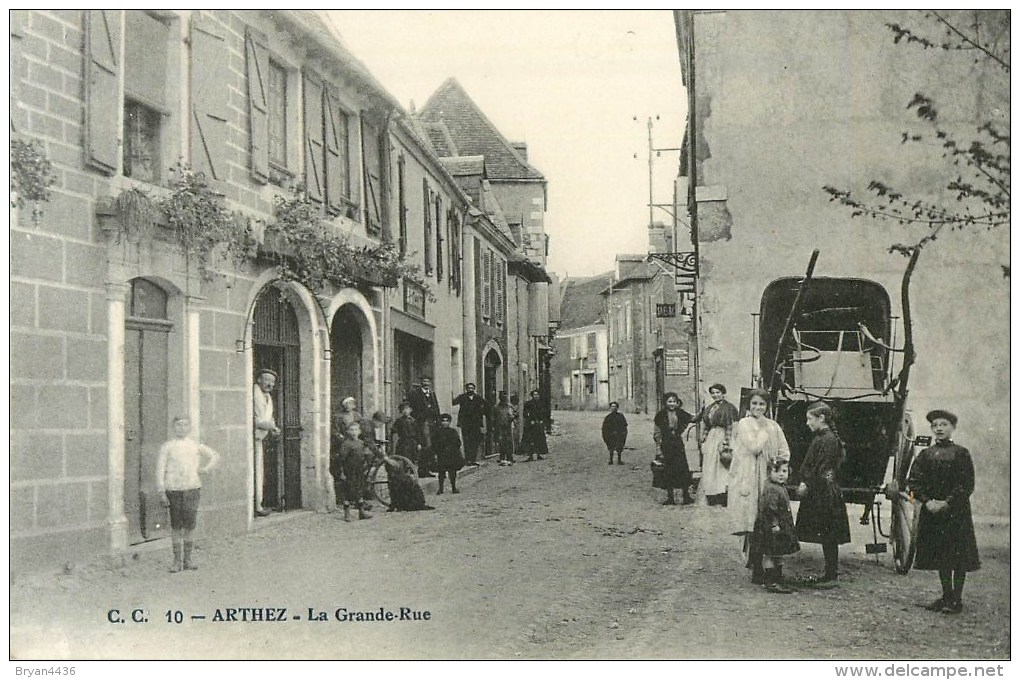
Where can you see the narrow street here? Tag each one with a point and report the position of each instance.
(563, 558)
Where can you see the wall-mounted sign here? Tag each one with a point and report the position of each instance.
(665, 311)
(414, 299)
(678, 361)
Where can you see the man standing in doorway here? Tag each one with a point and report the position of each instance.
(471, 421)
(265, 425)
(425, 411)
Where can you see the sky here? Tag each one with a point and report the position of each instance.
(570, 84)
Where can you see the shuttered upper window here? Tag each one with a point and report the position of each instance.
(152, 81)
(427, 211)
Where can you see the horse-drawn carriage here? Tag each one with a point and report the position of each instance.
(833, 340)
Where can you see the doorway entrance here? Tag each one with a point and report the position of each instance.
(413, 359)
(146, 410)
(347, 366)
(277, 347)
(492, 380)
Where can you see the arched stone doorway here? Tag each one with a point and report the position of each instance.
(492, 384)
(277, 346)
(351, 367)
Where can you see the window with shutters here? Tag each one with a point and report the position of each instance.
(132, 122)
(277, 115)
(145, 97)
(440, 227)
(453, 220)
(427, 212)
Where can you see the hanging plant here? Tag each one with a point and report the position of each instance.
(31, 176)
(308, 250)
(194, 215)
(201, 223)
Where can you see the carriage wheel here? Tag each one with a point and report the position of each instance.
(378, 479)
(905, 515)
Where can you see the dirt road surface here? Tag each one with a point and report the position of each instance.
(562, 558)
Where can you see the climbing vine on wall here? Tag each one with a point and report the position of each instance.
(31, 176)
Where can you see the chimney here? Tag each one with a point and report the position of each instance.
(521, 148)
(660, 238)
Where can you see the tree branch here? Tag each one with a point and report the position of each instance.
(971, 42)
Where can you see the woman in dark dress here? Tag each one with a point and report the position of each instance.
(822, 514)
(774, 536)
(670, 424)
(614, 432)
(405, 435)
(942, 480)
(533, 440)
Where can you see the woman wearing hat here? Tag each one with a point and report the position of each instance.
(942, 480)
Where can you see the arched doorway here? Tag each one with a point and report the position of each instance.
(146, 406)
(277, 346)
(492, 383)
(347, 369)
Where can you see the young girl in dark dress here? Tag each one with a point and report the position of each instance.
(942, 480)
(405, 435)
(774, 535)
(449, 455)
(822, 514)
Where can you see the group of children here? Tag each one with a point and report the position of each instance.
(941, 480)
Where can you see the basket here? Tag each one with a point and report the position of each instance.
(658, 474)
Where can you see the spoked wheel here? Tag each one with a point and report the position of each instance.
(905, 516)
(378, 479)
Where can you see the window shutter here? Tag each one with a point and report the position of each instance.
(427, 211)
(487, 284)
(371, 158)
(500, 290)
(102, 89)
(337, 158)
(439, 238)
(402, 204)
(209, 91)
(315, 177)
(257, 59)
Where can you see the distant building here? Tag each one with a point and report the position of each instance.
(580, 362)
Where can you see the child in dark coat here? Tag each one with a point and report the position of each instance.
(449, 456)
(942, 480)
(349, 460)
(614, 432)
(774, 535)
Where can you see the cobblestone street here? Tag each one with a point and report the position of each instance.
(562, 558)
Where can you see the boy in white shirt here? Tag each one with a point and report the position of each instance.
(178, 481)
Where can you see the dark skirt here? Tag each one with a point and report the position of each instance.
(675, 474)
(822, 515)
(947, 540)
(765, 542)
(405, 493)
(533, 441)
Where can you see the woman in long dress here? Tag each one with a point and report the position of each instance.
(718, 419)
(758, 441)
(670, 425)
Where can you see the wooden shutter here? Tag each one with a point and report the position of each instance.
(439, 238)
(337, 156)
(315, 176)
(500, 290)
(402, 204)
(210, 86)
(487, 284)
(371, 153)
(102, 89)
(257, 60)
(427, 210)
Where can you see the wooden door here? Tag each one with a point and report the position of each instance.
(278, 347)
(146, 340)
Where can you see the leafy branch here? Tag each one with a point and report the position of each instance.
(31, 176)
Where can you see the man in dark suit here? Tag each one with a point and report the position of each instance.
(471, 421)
(425, 411)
